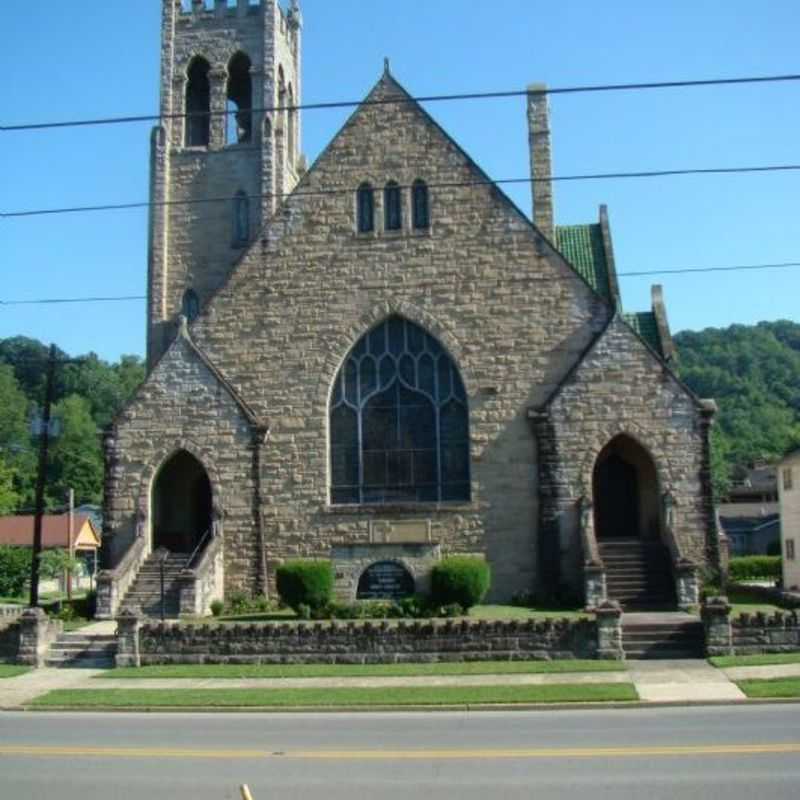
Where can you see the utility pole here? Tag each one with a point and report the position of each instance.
(41, 477)
(71, 512)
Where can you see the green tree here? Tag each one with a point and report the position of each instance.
(16, 456)
(9, 497)
(15, 570)
(57, 562)
(76, 460)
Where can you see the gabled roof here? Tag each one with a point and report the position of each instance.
(387, 84)
(183, 335)
(17, 531)
(703, 404)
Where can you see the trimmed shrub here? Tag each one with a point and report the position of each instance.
(217, 607)
(305, 583)
(753, 568)
(464, 580)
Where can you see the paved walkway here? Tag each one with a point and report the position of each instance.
(16, 692)
(679, 681)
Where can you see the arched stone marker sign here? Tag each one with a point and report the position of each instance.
(385, 580)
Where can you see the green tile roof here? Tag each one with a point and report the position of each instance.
(644, 323)
(582, 246)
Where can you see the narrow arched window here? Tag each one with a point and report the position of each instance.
(399, 428)
(392, 207)
(198, 104)
(365, 200)
(280, 118)
(421, 205)
(241, 219)
(239, 106)
(190, 308)
(291, 126)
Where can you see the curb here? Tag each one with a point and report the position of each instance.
(395, 709)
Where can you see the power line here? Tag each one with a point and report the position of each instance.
(58, 300)
(400, 100)
(661, 173)
(639, 273)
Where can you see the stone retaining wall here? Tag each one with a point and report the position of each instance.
(759, 633)
(378, 642)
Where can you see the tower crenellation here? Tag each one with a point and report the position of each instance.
(227, 149)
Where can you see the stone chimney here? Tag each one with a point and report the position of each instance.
(541, 164)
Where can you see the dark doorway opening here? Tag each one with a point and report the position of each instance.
(625, 489)
(181, 504)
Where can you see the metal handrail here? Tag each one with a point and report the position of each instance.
(200, 545)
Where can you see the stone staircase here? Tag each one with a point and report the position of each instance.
(645, 636)
(78, 650)
(144, 594)
(638, 574)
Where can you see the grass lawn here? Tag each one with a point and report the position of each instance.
(278, 698)
(743, 603)
(360, 670)
(776, 687)
(11, 670)
(760, 660)
(516, 612)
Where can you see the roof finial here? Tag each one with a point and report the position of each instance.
(386, 69)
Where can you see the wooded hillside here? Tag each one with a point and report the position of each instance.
(753, 372)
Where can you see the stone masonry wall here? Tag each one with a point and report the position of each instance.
(182, 405)
(622, 388)
(760, 633)
(367, 643)
(510, 311)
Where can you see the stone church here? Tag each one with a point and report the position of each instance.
(380, 360)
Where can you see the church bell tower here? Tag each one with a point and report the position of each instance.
(226, 150)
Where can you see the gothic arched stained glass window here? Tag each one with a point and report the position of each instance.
(399, 424)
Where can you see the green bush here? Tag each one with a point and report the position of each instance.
(464, 580)
(15, 570)
(238, 603)
(217, 607)
(752, 568)
(305, 583)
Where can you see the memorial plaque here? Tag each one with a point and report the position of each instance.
(385, 580)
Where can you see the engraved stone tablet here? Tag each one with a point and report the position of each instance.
(385, 580)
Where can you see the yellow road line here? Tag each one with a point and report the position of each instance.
(401, 755)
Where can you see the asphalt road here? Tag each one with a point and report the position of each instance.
(712, 752)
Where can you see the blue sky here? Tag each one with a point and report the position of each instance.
(100, 58)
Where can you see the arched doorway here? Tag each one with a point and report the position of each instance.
(627, 524)
(181, 503)
(625, 488)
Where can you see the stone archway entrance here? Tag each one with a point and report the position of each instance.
(625, 487)
(181, 503)
(627, 524)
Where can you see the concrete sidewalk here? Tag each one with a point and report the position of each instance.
(680, 681)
